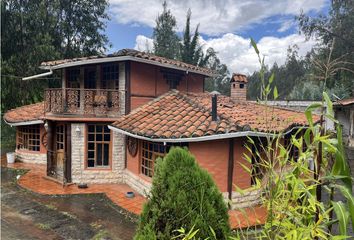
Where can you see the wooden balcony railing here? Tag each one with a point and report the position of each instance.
(98, 102)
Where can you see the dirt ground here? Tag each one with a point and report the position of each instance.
(26, 215)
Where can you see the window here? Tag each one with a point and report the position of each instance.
(90, 78)
(73, 76)
(110, 76)
(60, 137)
(242, 85)
(98, 145)
(151, 151)
(29, 138)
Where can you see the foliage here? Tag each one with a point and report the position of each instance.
(168, 44)
(290, 188)
(182, 195)
(334, 33)
(166, 41)
(37, 30)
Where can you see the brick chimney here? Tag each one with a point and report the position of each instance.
(238, 84)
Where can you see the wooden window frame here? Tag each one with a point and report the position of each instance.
(107, 72)
(29, 137)
(99, 167)
(147, 170)
(149, 156)
(59, 137)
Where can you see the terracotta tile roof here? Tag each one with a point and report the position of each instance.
(182, 115)
(25, 113)
(237, 77)
(345, 102)
(135, 54)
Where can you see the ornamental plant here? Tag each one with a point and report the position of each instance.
(183, 196)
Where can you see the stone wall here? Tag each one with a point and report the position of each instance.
(31, 157)
(248, 199)
(137, 183)
(114, 174)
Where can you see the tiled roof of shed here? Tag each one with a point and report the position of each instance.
(26, 113)
(237, 77)
(185, 115)
(135, 54)
(345, 102)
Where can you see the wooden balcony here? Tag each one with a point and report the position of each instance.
(87, 102)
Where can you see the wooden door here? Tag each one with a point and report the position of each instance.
(60, 146)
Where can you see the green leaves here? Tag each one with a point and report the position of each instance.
(254, 45)
(342, 216)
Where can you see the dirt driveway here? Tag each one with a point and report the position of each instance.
(25, 215)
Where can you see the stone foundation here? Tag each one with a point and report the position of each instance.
(30, 157)
(248, 199)
(137, 183)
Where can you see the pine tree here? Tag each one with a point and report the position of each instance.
(191, 51)
(182, 195)
(165, 36)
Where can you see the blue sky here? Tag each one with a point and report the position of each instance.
(225, 25)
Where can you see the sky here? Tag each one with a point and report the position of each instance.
(225, 25)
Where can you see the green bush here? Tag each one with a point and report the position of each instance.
(182, 195)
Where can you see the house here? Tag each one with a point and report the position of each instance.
(344, 113)
(115, 114)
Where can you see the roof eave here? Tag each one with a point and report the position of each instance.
(123, 58)
(23, 123)
(202, 138)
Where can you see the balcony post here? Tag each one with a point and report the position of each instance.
(82, 90)
(63, 83)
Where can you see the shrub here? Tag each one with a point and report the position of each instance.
(182, 195)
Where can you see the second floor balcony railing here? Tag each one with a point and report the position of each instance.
(77, 101)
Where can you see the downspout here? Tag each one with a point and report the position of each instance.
(38, 75)
(230, 169)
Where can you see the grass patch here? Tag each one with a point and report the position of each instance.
(96, 225)
(100, 235)
(50, 206)
(43, 226)
(69, 215)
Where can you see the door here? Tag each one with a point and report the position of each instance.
(62, 152)
(60, 149)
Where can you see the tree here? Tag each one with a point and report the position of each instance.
(33, 31)
(221, 82)
(165, 36)
(182, 195)
(38, 30)
(335, 32)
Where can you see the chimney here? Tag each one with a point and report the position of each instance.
(214, 105)
(238, 87)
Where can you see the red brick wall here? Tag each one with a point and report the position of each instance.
(241, 178)
(213, 156)
(133, 162)
(147, 82)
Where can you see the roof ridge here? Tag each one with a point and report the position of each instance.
(23, 106)
(149, 103)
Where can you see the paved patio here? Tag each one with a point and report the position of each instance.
(35, 181)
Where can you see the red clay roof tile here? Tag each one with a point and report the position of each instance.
(135, 54)
(189, 115)
(25, 113)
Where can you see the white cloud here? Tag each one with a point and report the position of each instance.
(143, 43)
(215, 17)
(239, 56)
(286, 25)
